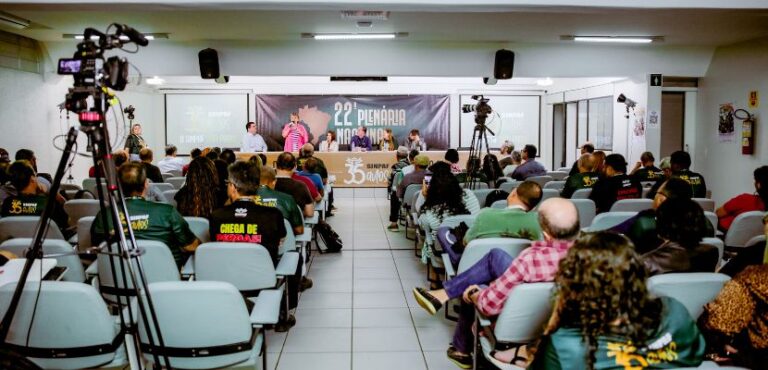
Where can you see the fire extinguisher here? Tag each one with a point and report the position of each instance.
(747, 131)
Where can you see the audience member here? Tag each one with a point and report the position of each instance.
(410, 167)
(474, 171)
(263, 158)
(491, 168)
(199, 196)
(29, 198)
(310, 170)
(414, 141)
(681, 225)
(680, 162)
(745, 202)
(599, 162)
(5, 161)
(615, 186)
(153, 173)
(396, 174)
(228, 156)
(222, 174)
(506, 154)
(192, 155)
(286, 162)
(530, 167)
(268, 196)
(666, 173)
(149, 220)
(360, 142)
(308, 151)
(170, 162)
(118, 158)
(584, 179)
(586, 148)
(517, 159)
(452, 157)
(329, 144)
(252, 141)
(420, 163)
(29, 155)
(210, 154)
(735, 324)
(605, 318)
(645, 170)
(387, 142)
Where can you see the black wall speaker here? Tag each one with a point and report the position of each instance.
(209, 63)
(504, 64)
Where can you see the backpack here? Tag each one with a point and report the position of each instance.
(329, 238)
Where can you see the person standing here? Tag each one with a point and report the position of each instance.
(360, 142)
(387, 142)
(295, 134)
(134, 143)
(252, 141)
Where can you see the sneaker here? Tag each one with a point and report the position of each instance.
(286, 324)
(393, 227)
(461, 360)
(426, 301)
(305, 284)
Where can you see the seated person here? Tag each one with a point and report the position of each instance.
(584, 179)
(491, 168)
(736, 322)
(609, 320)
(414, 141)
(310, 171)
(745, 202)
(666, 173)
(199, 196)
(680, 163)
(474, 170)
(645, 170)
(530, 167)
(420, 164)
(118, 157)
(360, 142)
(153, 172)
(681, 225)
(505, 151)
(452, 158)
(396, 176)
(586, 148)
(616, 185)
(560, 224)
(269, 197)
(516, 160)
(44, 180)
(149, 220)
(286, 183)
(192, 155)
(30, 199)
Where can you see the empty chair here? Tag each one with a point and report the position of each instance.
(509, 185)
(481, 195)
(200, 227)
(557, 185)
(632, 205)
(548, 193)
(607, 220)
(64, 315)
(177, 182)
(169, 196)
(557, 175)
(707, 205)
(89, 184)
(66, 187)
(207, 326)
(581, 193)
(62, 251)
(744, 227)
(79, 208)
(693, 289)
(84, 233)
(25, 227)
(176, 173)
(500, 204)
(289, 242)
(541, 180)
(162, 186)
(587, 211)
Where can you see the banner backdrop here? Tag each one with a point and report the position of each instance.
(345, 113)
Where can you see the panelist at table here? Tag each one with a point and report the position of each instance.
(387, 142)
(329, 144)
(295, 134)
(360, 142)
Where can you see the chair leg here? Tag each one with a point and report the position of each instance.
(264, 349)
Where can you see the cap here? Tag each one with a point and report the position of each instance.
(4, 156)
(421, 160)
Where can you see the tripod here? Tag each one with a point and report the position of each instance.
(122, 245)
(479, 137)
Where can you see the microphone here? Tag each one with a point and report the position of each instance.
(132, 34)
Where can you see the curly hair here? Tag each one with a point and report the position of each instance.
(198, 196)
(602, 281)
(444, 194)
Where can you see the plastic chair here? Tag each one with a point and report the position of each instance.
(59, 249)
(84, 233)
(587, 211)
(169, 197)
(176, 182)
(582, 193)
(755, 241)
(478, 185)
(207, 325)
(746, 226)
(541, 180)
(25, 227)
(706, 204)
(558, 175)
(509, 185)
(481, 195)
(176, 173)
(162, 186)
(557, 185)
(548, 193)
(200, 227)
(79, 208)
(167, 176)
(632, 205)
(713, 220)
(499, 204)
(72, 193)
(692, 289)
(718, 243)
(64, 316)
(607, 220)
(89, 184)
(478, 248)
(66, 187)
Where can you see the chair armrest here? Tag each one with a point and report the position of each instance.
(305, 237)
(266, 309)
(188, 269)
(314, 219)
(482, 319)
(92, 270)
(288, 264)
(449, 271)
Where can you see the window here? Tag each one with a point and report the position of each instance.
(600, 123)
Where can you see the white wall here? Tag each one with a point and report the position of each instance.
(734, 72)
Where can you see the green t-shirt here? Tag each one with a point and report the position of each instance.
(152, 221)
(504, 223)
(282, 201)
(578, 181)
(676, 343)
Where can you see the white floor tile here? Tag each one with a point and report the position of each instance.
(382, 318)
(315, 361)
(323, 317)
(388, 360)
(325, 300)
(435, 338)
(379, 300)
(318, 340)
(385, 340)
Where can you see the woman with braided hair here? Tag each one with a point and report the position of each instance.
(604, 317)
(199, 195)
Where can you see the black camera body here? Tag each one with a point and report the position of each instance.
(482, 109)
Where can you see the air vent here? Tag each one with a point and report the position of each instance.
(359, 78)
(364, 15)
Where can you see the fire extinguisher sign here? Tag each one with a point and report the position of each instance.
(754, 99)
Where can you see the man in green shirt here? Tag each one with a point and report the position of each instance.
(268, 196)
(585, 178)
(149, 220)
(515, 221)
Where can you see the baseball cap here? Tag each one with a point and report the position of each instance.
(4, 156)
(421, 160)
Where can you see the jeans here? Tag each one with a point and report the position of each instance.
(394, 207)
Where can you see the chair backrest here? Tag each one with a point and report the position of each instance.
(176, 173)
(607, 220)
(417, 201)
(84, 233)
(247, 266)
(557, 175)
(62, 251)
(200, 314)
(453, 221)
(478, 185)
(408, 194)
(177, 182)
(500, 204)
(478, 248)
(644, 192)
(706, 204)
(79, 208)
(71, 194)
(74, 187)
(63, 315)
(289, 242)
(509, 185)
(746, 226)
(760, 239)
(581, 193)
(557, 185)
(524, 321)
(156, 259)
(167, 176)
(200, 227)
(587, 211)
(481, 194)
(632, 205)
(548, 193)
(717, 243)
(89, 184)
(541, 180)
(692, 289)
(162, 186)
(647, 184)
(26, 227)
(169, 196)
(712, 218)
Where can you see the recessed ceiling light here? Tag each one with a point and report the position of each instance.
(148, 36)
(614, 39)
(354, 36)
(155, 81)
(545, 82)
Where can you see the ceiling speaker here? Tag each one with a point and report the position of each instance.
(504, 64)
(209, 63)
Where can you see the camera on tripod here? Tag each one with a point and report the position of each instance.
(482, 109)
(129, 111)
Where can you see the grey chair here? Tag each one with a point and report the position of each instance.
(451, 222)
(64, 315)
(557, 185)
(480, 247)
(744, 227)
(717, 243)
(79, 208)
(631, 205)
(177, 182)
(201, 321)
(706, 204)
(89, 184)
(25, 227)
(84, 233)
(72, 193)
(200, 227)
(478, 185)
(581, 193)
(713, 220)
(481, 195)
(548, 193)
(557, 175)
(74, 187)
(167, 176)
(607, 220)
(692, 289)
(755, 241)
(162, 186)
(176, 173)
(499, 204)
(587, 211)
(541, 180)
(169, 197)
(509, 185)
(62, 251)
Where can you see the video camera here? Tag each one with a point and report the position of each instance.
(482, 109)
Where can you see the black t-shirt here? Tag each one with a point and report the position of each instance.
(153, 173)
(33, 205)
(608, 190)
(298, 190)
(698, 186)
(648, 174)
(247, 222)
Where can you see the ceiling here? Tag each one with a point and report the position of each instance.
(425, 21)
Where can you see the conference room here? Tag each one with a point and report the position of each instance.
(383, 184)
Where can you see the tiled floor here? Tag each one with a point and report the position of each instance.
(361, 314)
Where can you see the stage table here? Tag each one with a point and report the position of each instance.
(359, 169)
